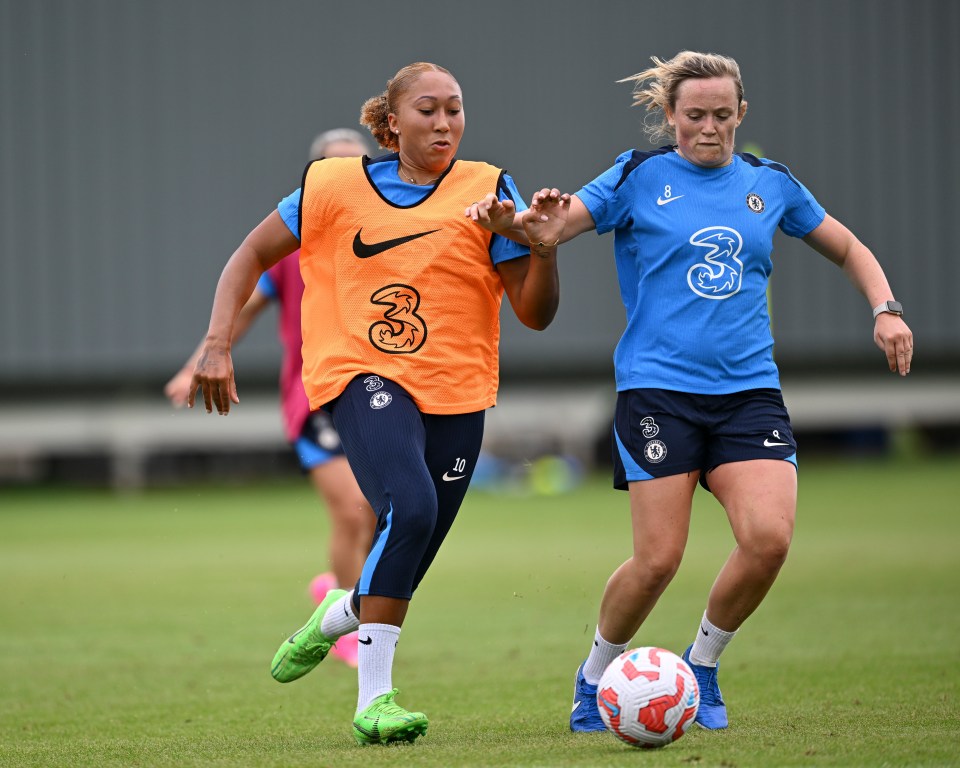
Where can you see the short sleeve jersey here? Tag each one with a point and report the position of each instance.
(693, 251)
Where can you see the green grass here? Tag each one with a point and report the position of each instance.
(138, 630)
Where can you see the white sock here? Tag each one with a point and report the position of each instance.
(600, 657)
(710, 642)
(339, 619)
(377, 643)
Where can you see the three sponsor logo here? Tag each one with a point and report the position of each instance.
(720, 273)
(379, 399)
(654, 451)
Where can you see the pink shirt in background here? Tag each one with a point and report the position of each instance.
(287, 288)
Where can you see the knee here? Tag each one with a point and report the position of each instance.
(358, 514)
(351, 511)
(418, 515)
(769, 548)
(657, 568)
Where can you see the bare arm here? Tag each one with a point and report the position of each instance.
(269, 242)
(500, 216)
(532, 285)
(833, 240)
(532, 282)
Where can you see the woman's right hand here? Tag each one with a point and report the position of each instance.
(493, 214)
(214, 377)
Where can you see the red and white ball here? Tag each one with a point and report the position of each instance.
(648, 697)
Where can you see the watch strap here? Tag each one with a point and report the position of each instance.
(893, 307)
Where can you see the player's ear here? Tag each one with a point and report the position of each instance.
(742, 112)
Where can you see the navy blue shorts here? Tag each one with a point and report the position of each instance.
(318, 442)
(414, 468)
(658, 432)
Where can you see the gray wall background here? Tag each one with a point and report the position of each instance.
(140, 141)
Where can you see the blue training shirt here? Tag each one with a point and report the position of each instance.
(267, 287)
(693, 248)
(383, 172)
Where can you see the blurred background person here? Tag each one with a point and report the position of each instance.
(312, 435)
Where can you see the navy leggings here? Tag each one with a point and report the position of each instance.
(414, 469)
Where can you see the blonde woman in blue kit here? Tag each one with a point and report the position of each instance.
(698, 391)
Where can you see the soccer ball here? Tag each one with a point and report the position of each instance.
(648, 696)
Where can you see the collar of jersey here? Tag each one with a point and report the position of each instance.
(401, 194)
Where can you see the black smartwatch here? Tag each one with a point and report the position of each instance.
(893, 307)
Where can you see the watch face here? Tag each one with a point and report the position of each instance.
(893, 307)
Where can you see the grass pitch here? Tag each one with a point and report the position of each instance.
(138, 630)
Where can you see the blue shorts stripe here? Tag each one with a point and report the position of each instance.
(312, 455)
(662, 432)
(634, 471)
(366, 576)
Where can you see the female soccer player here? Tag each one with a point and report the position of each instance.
(400, 344)
(698, 391)
(312, 435)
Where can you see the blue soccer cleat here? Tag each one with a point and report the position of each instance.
(586, 714)
(712, 713)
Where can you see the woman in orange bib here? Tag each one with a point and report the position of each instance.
(400, 345)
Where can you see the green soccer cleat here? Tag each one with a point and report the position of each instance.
(384, 721)
(306, 647)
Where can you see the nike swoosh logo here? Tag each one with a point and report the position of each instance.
(368, 641)
(448, 477)
(576, 705)
(661, 201)
(364, 250)
(706, 634)
(768, 444)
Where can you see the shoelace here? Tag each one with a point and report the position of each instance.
(709, 690)
(390, 707)
(308, 651)
(394, 710)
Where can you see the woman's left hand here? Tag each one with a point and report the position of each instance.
(896, 340)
